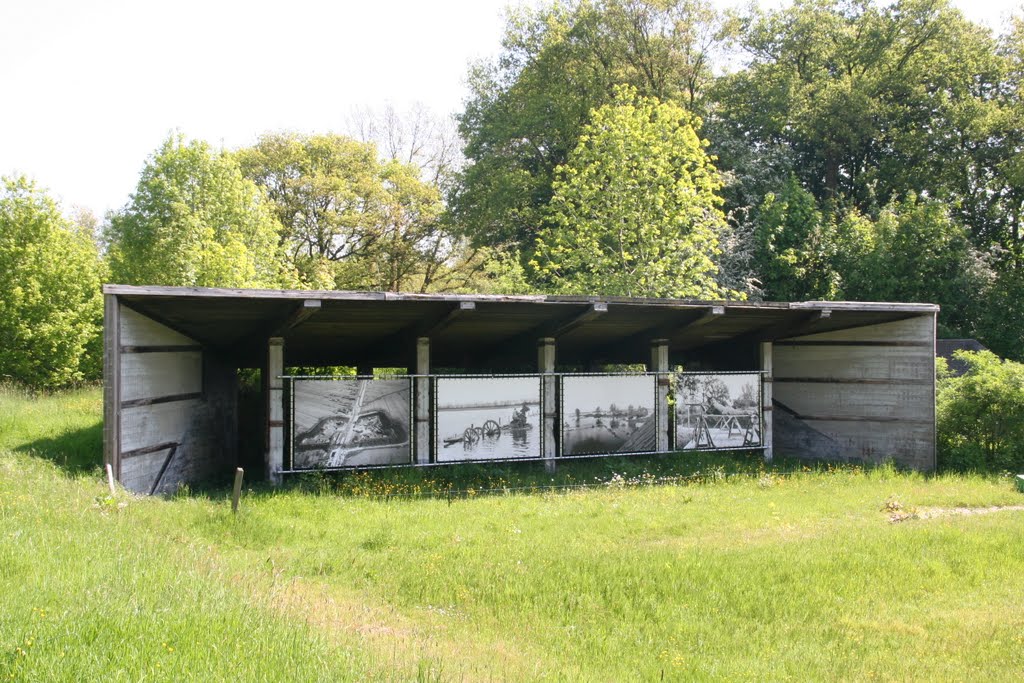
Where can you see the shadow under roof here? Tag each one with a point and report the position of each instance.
(479, 331)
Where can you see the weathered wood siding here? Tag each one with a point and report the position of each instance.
(176, 419)
(863, 394)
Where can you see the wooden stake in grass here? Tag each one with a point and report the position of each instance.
(239, 472)
(110, 479)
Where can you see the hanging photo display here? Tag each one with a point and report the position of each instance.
(608, 414)
(717, 411)
(350, 423)
(487, 418)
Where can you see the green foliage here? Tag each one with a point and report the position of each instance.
(796, 247)
(50, 301)
(875, 99)
(913, 251)
(526, 109)
(869, 103)
(1001, 312)
(489, 270)
(919, 254)
(981, 415)
(635, 210)
(351, 221)
(194, 220)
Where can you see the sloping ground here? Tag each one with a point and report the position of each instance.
(763, 576)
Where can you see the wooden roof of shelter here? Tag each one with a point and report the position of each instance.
(380, 328)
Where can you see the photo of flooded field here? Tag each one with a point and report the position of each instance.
(715, 411)
(608, 414)
(487, 418)
(350, 423)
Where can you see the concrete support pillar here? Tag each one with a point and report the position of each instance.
(766, 400)
(274, 392)
(422, 401)
(549, 400)
(659, 364)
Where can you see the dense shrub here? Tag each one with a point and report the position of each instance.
(981, 415)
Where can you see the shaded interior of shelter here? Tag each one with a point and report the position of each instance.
(486, 334)
(481, 335)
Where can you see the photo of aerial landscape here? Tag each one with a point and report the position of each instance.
(487, 418)
(717, 411)
(350, 423)
(608, 414)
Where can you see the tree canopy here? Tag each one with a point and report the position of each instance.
(195, 220)
(350, 219)
(826, 149)
(559, 62)
(635, 210)
(51, 308)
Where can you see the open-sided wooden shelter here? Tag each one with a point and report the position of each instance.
(842, 380)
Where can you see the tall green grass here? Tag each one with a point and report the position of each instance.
(716, 569)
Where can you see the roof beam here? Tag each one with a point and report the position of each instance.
(674, 328)
(564, 326)
(803, 324)
(402, 343)
(710, 315)
(300, 314)
(638, 342)
(254, 340)
(525, 342)
(437, 325)
(782, 330)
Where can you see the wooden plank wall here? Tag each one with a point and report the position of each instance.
(864, 394)
(177, 408)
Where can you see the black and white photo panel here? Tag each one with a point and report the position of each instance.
(350, 423)
(717, 411)
(608, 414)
(487, 418)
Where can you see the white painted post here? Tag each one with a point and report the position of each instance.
(659, 364)
(422, 387)
(236, 493)
(110, 480)
(549, 400)
(766, 400)
(275, 410)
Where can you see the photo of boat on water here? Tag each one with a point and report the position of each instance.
(608, 414)
(487, 418)
(350, 423)
(716, 411)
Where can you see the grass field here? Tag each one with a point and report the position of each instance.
(678, 568)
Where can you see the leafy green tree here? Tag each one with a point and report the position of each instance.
(527, 108)
(51, 306)
(635, 210)
(1000, 311)
(796, 247)
(350, 219)
(920, 254)
(875, 100)
(195, 220)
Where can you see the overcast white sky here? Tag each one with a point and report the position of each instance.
(91, 87)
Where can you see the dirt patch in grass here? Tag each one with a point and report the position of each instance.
(935, 513)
